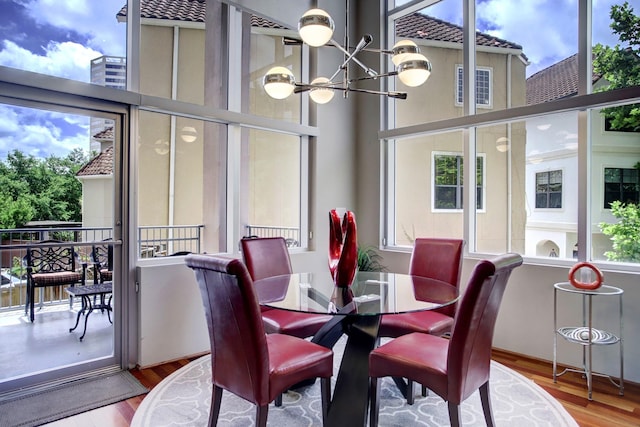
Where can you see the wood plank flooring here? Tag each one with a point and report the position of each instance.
(606, 409)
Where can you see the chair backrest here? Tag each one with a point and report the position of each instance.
(439, 259)
(41, 258)
(266, 256)
(472, 336)
(102, 255)
(239, 355)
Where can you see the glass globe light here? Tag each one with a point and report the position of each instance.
(401, 49)
(279, 82)
(316, 27)
(414, 70)
(321, 95)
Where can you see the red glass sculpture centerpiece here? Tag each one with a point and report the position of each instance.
(343, 248)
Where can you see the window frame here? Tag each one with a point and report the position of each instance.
(548, 192)
(620, 184)
(460, 93)
(459, 187)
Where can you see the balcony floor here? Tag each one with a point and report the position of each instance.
(47, 343)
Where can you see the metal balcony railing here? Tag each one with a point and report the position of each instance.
(290, 234)
(153, 241)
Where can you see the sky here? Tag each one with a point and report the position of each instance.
(42, 36)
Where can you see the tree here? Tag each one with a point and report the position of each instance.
(33, 189)
(624, 234)
(620, 66)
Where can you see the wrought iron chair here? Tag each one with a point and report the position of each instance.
(245, 361)
(452, 368)
(51, 263)
(102, 260)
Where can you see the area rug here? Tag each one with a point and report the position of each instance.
(68, 399)
(184, 399)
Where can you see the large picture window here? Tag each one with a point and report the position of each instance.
(549, 189)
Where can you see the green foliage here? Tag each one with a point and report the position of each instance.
(620, 66)
(369, 259)
(625, 233)
(33, 189)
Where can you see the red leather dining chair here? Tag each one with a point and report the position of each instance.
(435, 258)
(244, 360)
(453, 368)
(268, 257)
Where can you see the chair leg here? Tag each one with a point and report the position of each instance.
(374, 405)
(409, 392)
(425, 391)
(278, 401)
(485, 398)
(216, 399)
(325, 396)
(261, 415)
(454, 414)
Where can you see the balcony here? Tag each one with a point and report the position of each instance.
(153, 242)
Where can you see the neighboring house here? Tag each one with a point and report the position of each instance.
(552, 149)
(97, 184)
(174, 188)
(429, 168)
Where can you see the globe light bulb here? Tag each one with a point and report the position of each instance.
(279, 82)
(414, 70)
(401, 49)
(315, 27)
(321, 95)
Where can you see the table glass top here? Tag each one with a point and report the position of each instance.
(371, 293)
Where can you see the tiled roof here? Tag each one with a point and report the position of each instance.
(416, 25)
(419, 26)
(102, 164)
(557, 81)
(184, 10)
(105, 134)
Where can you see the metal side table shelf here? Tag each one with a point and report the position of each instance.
(586, 335)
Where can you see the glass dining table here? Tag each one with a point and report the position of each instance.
(356, 311)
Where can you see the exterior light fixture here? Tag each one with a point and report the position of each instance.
(315, 28)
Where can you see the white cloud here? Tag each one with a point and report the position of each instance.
(69, 60)
(93, 18)
(41, 133)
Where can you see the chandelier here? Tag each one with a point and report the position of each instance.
(315, 28)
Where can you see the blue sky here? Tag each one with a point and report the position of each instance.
(42, 36)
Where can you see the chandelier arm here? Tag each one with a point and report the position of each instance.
(390, 94)
(389, 74)
(364, 42)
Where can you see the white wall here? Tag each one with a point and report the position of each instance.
(171, 318)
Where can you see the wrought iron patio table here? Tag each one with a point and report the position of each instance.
(357, 310)
(88, 306)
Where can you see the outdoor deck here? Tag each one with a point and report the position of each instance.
(24, 343)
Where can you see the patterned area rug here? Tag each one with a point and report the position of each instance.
(184, 398)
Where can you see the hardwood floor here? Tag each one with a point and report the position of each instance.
(606, 409)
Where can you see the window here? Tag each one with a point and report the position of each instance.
(549, 189)
(620, 184)
(483, 86)
(448, 181)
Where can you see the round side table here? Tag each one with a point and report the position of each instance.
(586, 335)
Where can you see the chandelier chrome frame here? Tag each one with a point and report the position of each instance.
(316, 29)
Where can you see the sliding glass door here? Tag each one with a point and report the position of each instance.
(60, 183)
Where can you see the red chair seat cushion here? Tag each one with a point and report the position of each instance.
(292, 360)
(107, 275)
(427, 322)
(56, 278)
(420, 357)
(301, 325)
